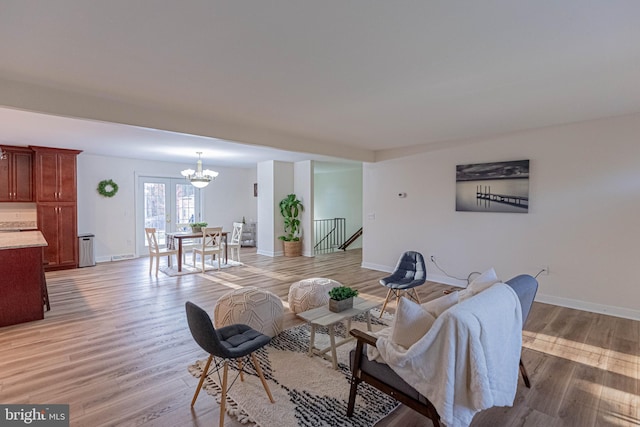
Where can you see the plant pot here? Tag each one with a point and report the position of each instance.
(196, 229)
(292, 248)
(338, 306)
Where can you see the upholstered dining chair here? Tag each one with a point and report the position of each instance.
(211, 245)
(234, 243)
(410, 272)
(155, 251)
(234, 342)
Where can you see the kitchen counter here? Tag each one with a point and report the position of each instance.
(24, 239)
(23, 282)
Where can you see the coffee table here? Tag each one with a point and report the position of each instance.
(321, 316)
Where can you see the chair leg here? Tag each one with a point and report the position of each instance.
(415, 297)
(238, 253)
(150, 263)
(264, 382)
(202, 378)
(223, 399)
(240, 370)
(386, 301)
(157, 265)
(525, 377)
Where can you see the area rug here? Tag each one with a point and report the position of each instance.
(307, 390)
(188, 268)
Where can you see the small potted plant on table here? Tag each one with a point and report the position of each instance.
(341, 298)
(197, 227)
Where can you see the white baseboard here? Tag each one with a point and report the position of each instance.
(270, 253)
(377, 267)
(610, 310)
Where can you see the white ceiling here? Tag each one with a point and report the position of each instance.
(372, 76)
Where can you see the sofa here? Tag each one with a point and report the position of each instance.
(385, 379)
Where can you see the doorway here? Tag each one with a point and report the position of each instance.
(166, 204)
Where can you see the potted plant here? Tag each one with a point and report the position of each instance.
(290, 208)
(341, 298)
(197, 227)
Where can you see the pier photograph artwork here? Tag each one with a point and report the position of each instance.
(493, 187)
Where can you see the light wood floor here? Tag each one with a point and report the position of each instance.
(116, 348)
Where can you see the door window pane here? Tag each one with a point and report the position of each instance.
(155, 212)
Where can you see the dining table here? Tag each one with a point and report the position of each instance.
(178, 237)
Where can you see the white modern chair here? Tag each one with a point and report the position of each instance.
(211, 245)
(235, 243)
(155, 251)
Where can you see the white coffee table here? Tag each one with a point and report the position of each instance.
(321, 316)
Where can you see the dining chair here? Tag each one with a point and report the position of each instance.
(235, 242)
(236, 342)
(155, 251)
(211, 245)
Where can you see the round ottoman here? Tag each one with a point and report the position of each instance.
(260, 309)
(310, 293)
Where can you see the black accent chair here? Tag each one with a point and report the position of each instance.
(233, 342)
(409, 273)
(382, 377)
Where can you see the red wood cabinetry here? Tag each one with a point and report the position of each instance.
(58, 223)
(56, 197)
(16, 175)
(55, 172)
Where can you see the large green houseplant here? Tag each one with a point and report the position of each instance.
(291, 208)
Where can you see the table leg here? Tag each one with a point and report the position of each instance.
(312, 340)
(332, 339)
(179, 254)
(368, 320)
(226, 249)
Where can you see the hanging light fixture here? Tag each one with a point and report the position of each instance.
(199, 178)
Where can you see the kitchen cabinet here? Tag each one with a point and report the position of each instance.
(16, 175)
(58, 224)
(23, 283)
(56, 200)
(55, 171)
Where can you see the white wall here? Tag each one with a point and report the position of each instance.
(583, 217)
(112, 220)
(303, 189)
(338, 194)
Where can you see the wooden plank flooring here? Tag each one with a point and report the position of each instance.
(116, 347)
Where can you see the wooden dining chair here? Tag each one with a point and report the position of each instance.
(211, 245)
(235, 242)
(155, 251)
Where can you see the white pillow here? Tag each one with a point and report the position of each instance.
(437, 306)
(410, 323)
(483, 281)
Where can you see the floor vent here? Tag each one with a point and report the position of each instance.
(121, 257)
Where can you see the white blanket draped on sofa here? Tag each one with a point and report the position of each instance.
(469, 359)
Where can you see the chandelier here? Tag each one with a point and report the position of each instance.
(199, 178)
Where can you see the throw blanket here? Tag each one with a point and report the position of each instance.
(469, 359)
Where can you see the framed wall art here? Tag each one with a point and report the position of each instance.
(493, 187)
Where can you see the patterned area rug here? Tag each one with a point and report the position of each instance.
(307, 391)
(188, 268)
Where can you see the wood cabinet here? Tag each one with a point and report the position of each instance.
(16, 175)
(58, 223)
(56, 197)
(55, 172)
